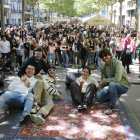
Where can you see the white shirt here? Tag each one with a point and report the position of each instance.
(87, 82)
(5, 46)
(19, 86)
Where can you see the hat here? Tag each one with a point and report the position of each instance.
(52, 66)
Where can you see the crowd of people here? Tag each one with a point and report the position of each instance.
(62, 45)
(68, 45)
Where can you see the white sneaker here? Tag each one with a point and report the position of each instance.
(37, 118)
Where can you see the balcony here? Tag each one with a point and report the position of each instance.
(16, 11)
(28, 9)
(7, 4)
(19, 1)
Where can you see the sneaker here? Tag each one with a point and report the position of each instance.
(84, 105)
(110, 111)
(74, 66)
(25, 118)
(37, 119)
(34, 109)
(79, 105)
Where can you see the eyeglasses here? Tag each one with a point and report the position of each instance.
(39, 54)
(52, 70)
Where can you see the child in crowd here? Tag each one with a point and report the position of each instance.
(27, 48)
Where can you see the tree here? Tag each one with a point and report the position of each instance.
(32, 3)
(136, 18)
(2, 18)
(23, 14)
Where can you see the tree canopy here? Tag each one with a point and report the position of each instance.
(74, 7)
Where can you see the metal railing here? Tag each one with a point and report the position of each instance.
(16, 11)
(27, 9)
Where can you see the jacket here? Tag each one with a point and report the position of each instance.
(118, 73)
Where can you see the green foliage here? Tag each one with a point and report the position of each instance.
(74, 7)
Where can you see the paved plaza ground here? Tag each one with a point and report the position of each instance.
(131, 99)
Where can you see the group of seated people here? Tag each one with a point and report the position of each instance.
(27, 92)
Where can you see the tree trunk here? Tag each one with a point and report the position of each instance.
(120, 18)
(33, 15)
(2, 18)
(136, 18)
(107, 10)
(23, 14)
(111, 13)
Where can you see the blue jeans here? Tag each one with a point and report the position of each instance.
(110, 92)
(98, 59)
(65, 58)
(132, 56)
(51, 56)
(90, 58)
(26, 55)
(17, 100)
(71, 57)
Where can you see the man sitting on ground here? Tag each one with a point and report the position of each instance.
(43, 94)
(20, 95)
(114, 80)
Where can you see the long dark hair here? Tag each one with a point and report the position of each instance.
(86, 67)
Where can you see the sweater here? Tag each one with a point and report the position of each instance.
(118, 73)
(87, 82)
(19, 86)
(38, 65)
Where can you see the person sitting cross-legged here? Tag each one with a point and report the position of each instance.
(114, 80)
(20, 95)
(43, 94)
(84, 85)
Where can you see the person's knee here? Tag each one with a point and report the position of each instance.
(39, 83)
(92, 85)
(112, 84)
(31, 96)
(1, 98)
(73, 84)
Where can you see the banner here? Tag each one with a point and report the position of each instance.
(41, 13)
(104, 12)
(36, 13)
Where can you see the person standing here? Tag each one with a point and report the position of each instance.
(5, 48)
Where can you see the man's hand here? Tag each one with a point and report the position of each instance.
(23, 78)
(101, 84)
(39, 76)
(60, 97)
(27, 84)
(59, 92)
(55, 80)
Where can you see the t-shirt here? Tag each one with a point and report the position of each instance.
(51, 49)
(26, 46)
(108, 72)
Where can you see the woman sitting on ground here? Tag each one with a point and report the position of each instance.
(84, 85)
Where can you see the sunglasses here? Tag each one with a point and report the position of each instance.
(39, 54)
(104, 56)
(52, 70)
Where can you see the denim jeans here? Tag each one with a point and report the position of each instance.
(110, 92)
(65, 58)
(26, 55)
(98, 59)
(90, 58)
(71, 57)
(51, 56)
(17, 100)
(132, 56)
